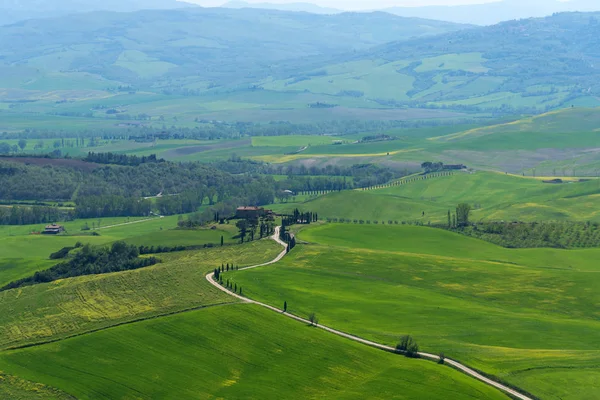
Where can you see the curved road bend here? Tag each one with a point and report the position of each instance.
(432, 357)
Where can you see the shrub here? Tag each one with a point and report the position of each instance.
(408, 346)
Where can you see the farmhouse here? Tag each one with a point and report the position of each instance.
(455, 166)
(249, 212)
(53, 229)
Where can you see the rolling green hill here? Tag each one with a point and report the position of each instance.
(527, 316)
(239, 351)
(565, 128)
(197, 48)
(267, 65)
(533, 64)
(67, 307)
(493, 196)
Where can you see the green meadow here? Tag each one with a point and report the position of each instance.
(525, 316)
(493, 197)
(24, 253)
(235, 351)
(51, 311)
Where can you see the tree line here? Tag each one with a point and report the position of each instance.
(120, 159)
(562, 235)
(27, 215)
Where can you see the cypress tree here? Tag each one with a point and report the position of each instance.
(285, 306)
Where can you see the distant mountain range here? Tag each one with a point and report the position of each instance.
(298, 7)
(477, 14)
(493, 13)
(12, 11)
(363, 60)
(207, 44)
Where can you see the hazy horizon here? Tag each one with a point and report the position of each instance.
(364, 5)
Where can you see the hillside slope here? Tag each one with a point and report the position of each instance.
(528, 65)
(12, 11)
(195, 44)
(569, 120)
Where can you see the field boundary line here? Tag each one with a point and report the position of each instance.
(133, 321)
(128, 223)
(432, 357)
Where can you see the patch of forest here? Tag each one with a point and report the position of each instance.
(89, 260)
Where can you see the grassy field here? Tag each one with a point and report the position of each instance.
(493, 196)
(237, 351)
(23, 253)
(72, 306)
(529, 316)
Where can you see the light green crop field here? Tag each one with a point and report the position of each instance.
(15, 388)
(528, 316)
(493, 196)
(72, 306)
(235, 351)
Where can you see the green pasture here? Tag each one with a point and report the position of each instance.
(73, 306)
(23, 253)
(493, 197)
(236, 351)
(294, 140)
(522, 315)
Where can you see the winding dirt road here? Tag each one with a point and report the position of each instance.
(432, 357)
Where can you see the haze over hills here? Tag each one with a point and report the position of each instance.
(298, 7)
(12, 11)
(270, 65)
(533, 64)
(492, 13)
(477, 14)
(204, 44)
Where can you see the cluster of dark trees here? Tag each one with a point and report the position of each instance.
(408, 346)
(306, 179)
(111, 205)
(160, 249)
(218, 276)
(287, 237)
(460, 218)
(249, 227)
(90, 260)
(563, 235)
(26, 215)
(298, 217)
(64, 252)
(115, 190)
(429, 166)
(120, 159)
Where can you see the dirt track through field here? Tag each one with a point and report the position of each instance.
(432, 357)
